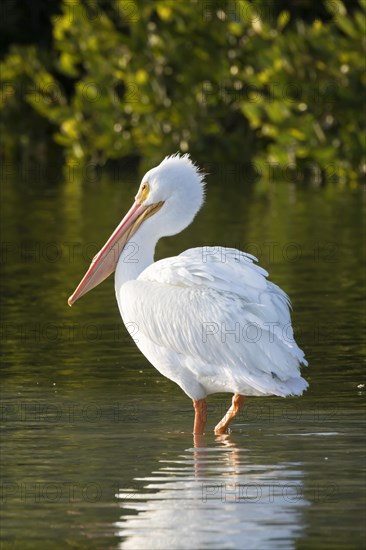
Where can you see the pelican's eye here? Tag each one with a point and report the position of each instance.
(143, 193)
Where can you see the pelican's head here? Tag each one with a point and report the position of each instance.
(172, 193)
(178, 184)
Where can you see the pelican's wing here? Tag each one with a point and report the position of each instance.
(215, 306)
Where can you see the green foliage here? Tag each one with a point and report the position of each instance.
(225, 80)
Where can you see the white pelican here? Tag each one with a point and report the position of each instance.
(208, 319)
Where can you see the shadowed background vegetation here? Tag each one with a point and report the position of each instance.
(274, 83)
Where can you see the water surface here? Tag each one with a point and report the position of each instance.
(97, 450)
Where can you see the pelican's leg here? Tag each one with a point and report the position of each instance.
(200, 416)
(236, 403)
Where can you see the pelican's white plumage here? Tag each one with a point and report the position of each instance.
(208, 319)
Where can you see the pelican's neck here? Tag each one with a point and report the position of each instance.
(136, 255)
